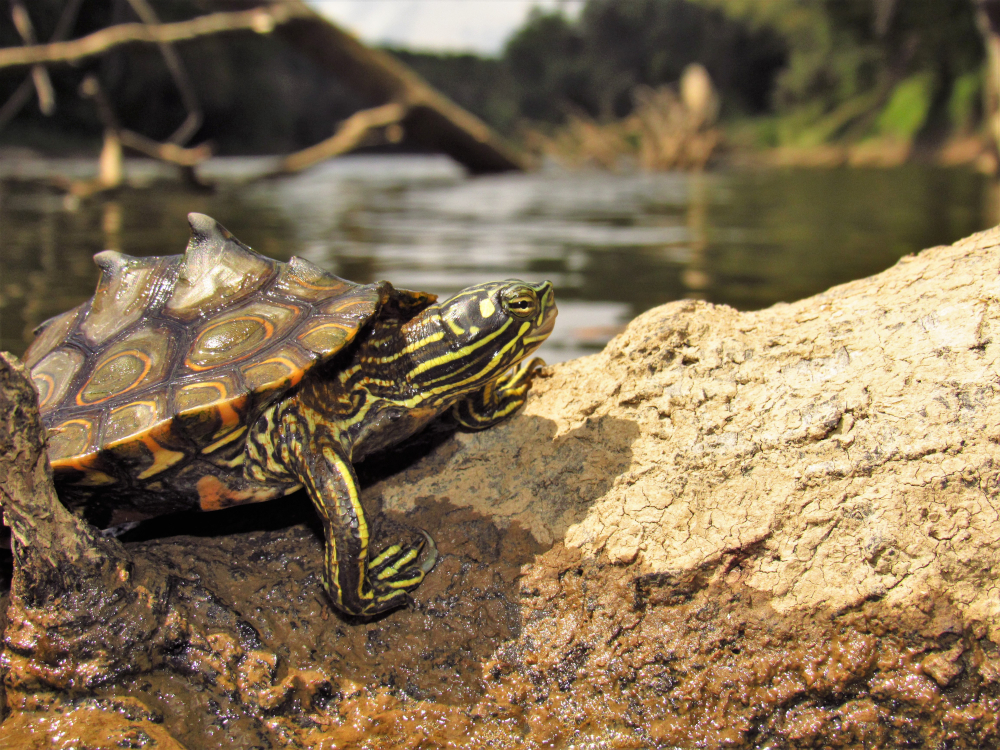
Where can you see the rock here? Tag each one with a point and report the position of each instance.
(843, 447)
(765, 529)
(795, 504)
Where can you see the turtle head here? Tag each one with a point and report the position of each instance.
(466, 341)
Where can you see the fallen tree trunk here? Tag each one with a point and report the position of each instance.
(430, 120)
(775, 528)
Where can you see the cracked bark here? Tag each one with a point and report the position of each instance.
(867, 413)
(79, 610)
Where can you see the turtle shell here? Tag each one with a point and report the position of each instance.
(176, 355)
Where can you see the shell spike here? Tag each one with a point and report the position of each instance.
(126, 286)
(217, 270)
(112, 263)
(111, 260)
(309, 272)
(207, 232)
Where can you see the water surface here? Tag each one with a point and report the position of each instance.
(613, 244)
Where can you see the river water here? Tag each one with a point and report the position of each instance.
(613, 244)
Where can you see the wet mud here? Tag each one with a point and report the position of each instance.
(511, 645)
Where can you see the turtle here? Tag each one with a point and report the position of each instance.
(221, 377)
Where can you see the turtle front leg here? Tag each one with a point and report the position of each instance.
(499, 399)
(356, 586)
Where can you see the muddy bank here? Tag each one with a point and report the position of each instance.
(771, 529)
(559, 651)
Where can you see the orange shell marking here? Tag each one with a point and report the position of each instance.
(120, 374)
(213, 494)
(328, 337)
(53, 374)
(197, 396)
(228, 341)
(68, 443)
(273, 373)
(46, 386)
(130, 420)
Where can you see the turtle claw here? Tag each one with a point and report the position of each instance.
(523, 372)
(497, 402)
(392, 572)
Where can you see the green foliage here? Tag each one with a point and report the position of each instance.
(965, 101)
(594, 64)
(829, 69)
(554, 66)
(897, 75)
(552, 73)
(908, 107)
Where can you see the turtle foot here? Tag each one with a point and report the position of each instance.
(395, 572)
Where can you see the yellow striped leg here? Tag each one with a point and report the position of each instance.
(498, 400)
(355, 586)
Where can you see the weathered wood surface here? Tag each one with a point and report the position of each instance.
(78, 611)
(848, 444)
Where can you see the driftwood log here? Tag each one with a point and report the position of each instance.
(431, 119)
(765, 529)
(399, 97)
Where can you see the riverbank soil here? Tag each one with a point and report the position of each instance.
(772, 529)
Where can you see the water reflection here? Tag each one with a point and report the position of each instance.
(614, 245)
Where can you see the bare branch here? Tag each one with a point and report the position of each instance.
(22, 94)
(110, 167)
(168, 152)
(263, 20)
(20, 97)
(348, 136)
(90, 88)
(39, 75)
(194, 117)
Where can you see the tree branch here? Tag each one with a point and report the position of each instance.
(39, 75)
(115, 137)
(348, 136)
(22, 94)
(168, 152)
(173, 61)
(262, 20)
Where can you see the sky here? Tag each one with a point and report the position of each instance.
(436, 25)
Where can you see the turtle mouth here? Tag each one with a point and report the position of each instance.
(546, 295)
(543, 331)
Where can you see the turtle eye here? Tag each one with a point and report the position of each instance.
(520, 302)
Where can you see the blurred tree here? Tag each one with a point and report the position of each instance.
(869, 67)
(594, 64)
(554, 66)
(818, 70)
(552, 72)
